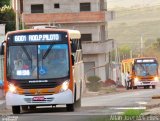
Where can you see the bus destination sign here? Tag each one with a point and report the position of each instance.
(145, 60)
(46, 37)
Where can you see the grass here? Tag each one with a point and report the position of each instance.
(133, 112)
(129, 115)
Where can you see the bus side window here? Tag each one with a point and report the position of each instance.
(73, 47)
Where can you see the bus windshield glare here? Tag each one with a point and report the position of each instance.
(49, 61)
(146, 69)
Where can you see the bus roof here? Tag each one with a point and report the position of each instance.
(73, 34)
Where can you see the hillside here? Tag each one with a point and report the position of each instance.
(131, 24)
(114, 4)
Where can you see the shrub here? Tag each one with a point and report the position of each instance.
(94, 84)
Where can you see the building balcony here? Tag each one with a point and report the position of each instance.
(97, 47)
(64, 18)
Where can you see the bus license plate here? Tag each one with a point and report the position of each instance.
(38, 99)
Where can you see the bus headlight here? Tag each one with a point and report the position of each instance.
(156, 79)
(136, 80)
(12, 88)
(65, 86)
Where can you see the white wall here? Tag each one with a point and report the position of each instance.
(94, 29)
(2, 32)
(65, 5)
(2, 29)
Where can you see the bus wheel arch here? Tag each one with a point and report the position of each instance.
(71, 107)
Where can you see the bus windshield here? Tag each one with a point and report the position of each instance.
(146, 69)
(38, 61)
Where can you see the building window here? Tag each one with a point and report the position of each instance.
(86, 37)
(56, 5)
(21, 6)
(38, 8)
(85, 6)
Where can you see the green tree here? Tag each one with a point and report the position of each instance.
(153, 50)
(156, 45)
(4, 2)
(7, 17)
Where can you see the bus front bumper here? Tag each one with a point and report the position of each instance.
(61, 98)
(145, 83)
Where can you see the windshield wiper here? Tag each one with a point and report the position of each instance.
(27, 54)
(47, 52)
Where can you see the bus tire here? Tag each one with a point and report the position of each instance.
(16, 109)
(134, 87)
(153, 86)
(25, 107)
(70, 107)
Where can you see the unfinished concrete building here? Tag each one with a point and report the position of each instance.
(88, 16)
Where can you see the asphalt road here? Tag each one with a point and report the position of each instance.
(93, 108)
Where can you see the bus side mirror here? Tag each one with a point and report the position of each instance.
(2, 49)
(72, 57)
(73, 47)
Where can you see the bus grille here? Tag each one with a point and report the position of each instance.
(38, 85)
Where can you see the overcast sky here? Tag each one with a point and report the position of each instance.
(131, 3)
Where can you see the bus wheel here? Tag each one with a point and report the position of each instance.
(153, 86)
(16, 109)
(25, 108)
(70, 107)
(134, 87)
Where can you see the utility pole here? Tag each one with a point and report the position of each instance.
(17, 14)
(141, 45)
(131, 54)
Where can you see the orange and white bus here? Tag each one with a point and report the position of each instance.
(42, 67)
(143, 72)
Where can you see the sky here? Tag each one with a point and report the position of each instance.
(131, 3)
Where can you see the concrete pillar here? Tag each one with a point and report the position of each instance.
(102, 70)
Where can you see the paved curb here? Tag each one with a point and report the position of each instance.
(3, 105)
(154, 103)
